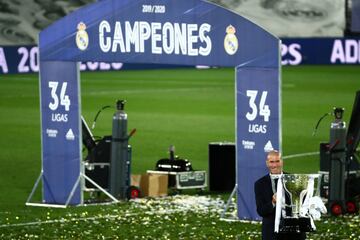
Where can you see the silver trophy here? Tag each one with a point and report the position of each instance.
(298, 189)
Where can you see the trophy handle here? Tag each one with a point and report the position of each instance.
(290, 195)
(302, 196)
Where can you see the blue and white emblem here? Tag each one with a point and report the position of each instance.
(231, 42)
(82, 38)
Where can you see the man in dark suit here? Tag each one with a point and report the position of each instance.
(265, 195)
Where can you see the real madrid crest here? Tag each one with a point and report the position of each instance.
(231, 42)
(82, 38)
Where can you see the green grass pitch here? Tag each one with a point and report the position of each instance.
(187, 108)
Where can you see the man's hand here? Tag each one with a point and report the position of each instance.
(273, 200)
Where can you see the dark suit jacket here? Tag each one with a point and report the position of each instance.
(265, 208)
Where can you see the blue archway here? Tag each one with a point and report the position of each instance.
(192, 32)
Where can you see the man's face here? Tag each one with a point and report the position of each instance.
(274, 164)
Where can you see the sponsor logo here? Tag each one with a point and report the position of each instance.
(70, 135)
(82, 38)
(346, 51)
(248, 144)
(231, 42)
(268, 147)
(52, 133)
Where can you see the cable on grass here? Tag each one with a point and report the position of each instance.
(97, 115)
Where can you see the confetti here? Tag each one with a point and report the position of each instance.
(172, 217)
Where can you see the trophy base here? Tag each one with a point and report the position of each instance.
(295, 225)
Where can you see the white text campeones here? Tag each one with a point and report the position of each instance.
(168, 38)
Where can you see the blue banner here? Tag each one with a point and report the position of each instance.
(294, 51)
(320, 51)
(258, 130)
(24, 59)
(61, 138)
(19, 59)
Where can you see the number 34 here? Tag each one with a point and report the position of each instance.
(264, 110)
(64, 99)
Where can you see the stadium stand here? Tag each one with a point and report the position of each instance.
(21, 21)
(293, 18)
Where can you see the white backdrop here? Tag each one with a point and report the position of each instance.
(293, 18)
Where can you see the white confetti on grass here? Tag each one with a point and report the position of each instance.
(147, 206)
(180, 203)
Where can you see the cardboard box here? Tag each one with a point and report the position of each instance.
(151, 185)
